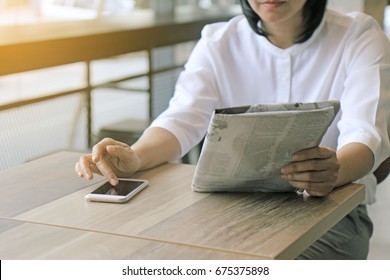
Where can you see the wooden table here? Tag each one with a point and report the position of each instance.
(43, 215)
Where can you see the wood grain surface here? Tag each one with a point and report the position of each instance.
(27, 241)
(261, 225)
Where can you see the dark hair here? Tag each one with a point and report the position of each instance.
(313, 13)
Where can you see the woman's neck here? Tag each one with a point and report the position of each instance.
(284, 36)
(281, 41)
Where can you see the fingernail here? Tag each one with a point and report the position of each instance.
(113, 182)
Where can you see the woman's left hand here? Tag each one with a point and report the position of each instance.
(314, 170)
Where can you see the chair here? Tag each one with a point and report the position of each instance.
(127, 131)
(382, 171)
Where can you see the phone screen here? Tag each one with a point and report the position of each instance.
(122, 189)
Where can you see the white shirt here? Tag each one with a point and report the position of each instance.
(347, 59)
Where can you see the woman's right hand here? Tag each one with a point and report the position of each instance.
(109, 158)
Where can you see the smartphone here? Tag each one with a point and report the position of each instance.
(126, 189)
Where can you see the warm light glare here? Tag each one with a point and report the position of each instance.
(14, 12)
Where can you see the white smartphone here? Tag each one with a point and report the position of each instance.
(126, 189)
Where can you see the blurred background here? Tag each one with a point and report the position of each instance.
(47, 110)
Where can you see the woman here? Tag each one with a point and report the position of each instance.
(281, 51)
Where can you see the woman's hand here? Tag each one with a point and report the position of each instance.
(315, 170)
(110, 158)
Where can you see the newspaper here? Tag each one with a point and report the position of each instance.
(245, 147)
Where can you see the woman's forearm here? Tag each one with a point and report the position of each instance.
(356, 160)
(156, 146)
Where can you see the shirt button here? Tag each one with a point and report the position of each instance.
(285, 77)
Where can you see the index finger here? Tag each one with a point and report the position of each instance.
(106, 170)
(313, 153)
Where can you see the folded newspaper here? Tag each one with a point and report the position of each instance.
(245, 147)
